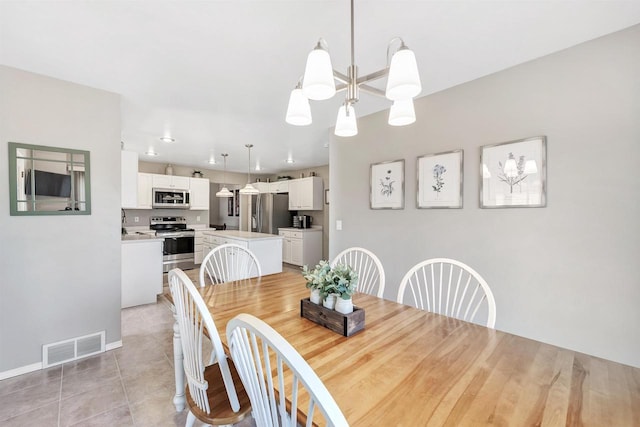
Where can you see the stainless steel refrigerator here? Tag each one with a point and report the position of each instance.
(270, 211)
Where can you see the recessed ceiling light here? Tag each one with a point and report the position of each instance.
(211, 161)
(290, 161)
(151, 153)
(167, 139)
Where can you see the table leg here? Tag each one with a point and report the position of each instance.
(179, 399)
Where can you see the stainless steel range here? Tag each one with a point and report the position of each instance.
(178, 244)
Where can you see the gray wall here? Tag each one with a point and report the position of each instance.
(567, 274)
(60, 274)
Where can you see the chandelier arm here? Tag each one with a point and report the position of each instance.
(342, 78)
(341, 87)
(373, 76)
(389, 48)
(372, 90)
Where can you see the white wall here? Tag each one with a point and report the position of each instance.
(567, 274)
(60, 274)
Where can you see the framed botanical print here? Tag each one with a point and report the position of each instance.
(514, 174)
(386, 185)
(440, 180)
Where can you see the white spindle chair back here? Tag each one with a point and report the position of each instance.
(265, 362)
(449, 287)
(367, 265)
(193, 316)
(227, 263)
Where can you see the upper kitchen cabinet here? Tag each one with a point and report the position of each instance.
(306, 194)
(129, 179)
(171, 181)
(279, 187)
(199, 193)
(145, 196)
(262, 187)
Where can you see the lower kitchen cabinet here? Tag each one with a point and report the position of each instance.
(301, 246)
(141, 273)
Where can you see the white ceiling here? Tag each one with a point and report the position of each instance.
(216, 75)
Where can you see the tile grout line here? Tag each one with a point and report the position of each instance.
(124, 389)
(60, 394)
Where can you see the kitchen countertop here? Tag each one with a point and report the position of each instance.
(243, 235)
(301, 229)
(140, 238)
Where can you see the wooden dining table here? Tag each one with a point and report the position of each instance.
(409, 367)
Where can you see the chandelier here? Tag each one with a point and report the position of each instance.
(319, 83)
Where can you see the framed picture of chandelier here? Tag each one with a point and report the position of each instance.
(513, 174)
(440, 180)
(386, 185)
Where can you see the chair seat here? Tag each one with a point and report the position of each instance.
(221, 412)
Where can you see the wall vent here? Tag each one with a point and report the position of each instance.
(72, 349)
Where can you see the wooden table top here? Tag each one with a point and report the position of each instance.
(410, 367)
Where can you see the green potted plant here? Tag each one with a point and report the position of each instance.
(346, 282)
(316, 279)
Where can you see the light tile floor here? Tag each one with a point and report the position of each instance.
(129, 386)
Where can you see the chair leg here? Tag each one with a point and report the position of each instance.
(191, 419)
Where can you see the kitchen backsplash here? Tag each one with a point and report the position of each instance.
(144, 215)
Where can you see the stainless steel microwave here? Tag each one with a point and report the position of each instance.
(169, 198)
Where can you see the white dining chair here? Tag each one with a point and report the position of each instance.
(215, 394)
(367, 265)
(267, 365)
(449, 287)
(228, 262)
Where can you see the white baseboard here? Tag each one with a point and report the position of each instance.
(113, 345)
(21, 370)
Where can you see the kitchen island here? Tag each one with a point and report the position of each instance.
(266, 247)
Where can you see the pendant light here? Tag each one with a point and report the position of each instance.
(249, 189)
(346, 124)
(224, 192)
(402, 112)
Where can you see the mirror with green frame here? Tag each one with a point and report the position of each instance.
(48, 180)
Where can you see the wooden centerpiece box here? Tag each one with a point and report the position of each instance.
(344, 324)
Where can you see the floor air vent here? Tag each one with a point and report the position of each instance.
(72, 349)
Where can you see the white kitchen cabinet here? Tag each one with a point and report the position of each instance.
(306, 194)
(199, 194)
(198, 245)
(141, 273)
(129, 179)
(145, 196)
(301, 247)
(170, 181)
(262, 187)
(279, 187)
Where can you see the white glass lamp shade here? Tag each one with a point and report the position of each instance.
(224, 192)
(510, 168)
(404, 79)
(298, 111)
(402, 112)
(530, 167)
(318, 82)
(346, 125)
(249, 190)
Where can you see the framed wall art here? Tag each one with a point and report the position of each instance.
(387, 185)
(513, 174)
(440, 180)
